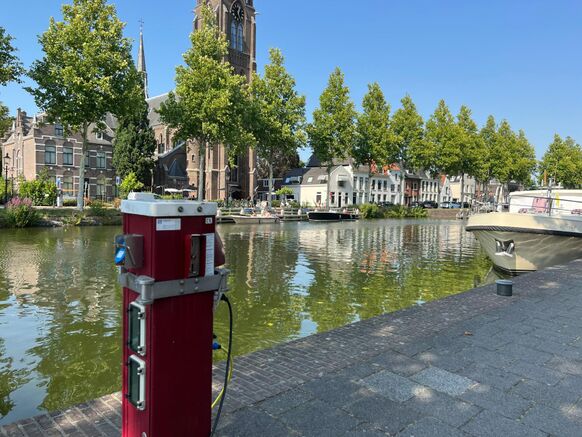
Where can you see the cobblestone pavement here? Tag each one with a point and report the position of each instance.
(474, 364)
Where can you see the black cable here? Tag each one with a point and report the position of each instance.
(227, 369)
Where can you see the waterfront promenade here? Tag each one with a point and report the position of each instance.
(474, 364)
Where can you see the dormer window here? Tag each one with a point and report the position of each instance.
(59, 131)
(99, 136)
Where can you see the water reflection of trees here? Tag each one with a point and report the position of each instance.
(355, 271)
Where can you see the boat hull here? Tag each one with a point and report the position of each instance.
(254, 220)
(519, 243)
(330, 216)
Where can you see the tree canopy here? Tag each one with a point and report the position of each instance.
(86, 71)
(332, 132)
(374, 139)
(408, 128)
(10, 71)
(472, 150)
(562, 162)
(442, 151)
(10, 66)
(211, 102)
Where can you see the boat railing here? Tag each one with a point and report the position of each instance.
(551, 204)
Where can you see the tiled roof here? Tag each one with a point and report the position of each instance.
(154, 104)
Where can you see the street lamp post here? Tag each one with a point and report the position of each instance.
(6, 160)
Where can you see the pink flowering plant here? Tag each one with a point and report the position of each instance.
(20, 213)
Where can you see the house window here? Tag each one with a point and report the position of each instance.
(318, 198)
(373, 184)
(266, 183)
(67, 155)
(332, 197)
(361, 183)
(161, 148)
(99, 135)
(100, 159)
(385, 185)
(86, 159)
(310, 179)
(101, 189)
(67, 186)
(59, 131)
(50, 153)
(355, 199)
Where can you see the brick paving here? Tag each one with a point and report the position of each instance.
(474, 364)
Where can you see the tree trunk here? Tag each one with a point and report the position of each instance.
(440, 189)
(328, 194)
(270, 197)
(462, 190)
(201, 170)
(81, 192)
(402, 182)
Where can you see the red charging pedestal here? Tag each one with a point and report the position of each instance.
(167, 270)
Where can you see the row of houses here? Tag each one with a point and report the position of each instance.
(356, 185)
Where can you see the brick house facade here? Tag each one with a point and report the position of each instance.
(35, 147)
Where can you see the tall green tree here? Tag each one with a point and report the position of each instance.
(523, 161)
(374, 141)
(10, 71)
(472, 148)
(408, 128)
(442, 152)
(211, 103)
(279, 122)
(332, 132)
(135, 142)
(488, 135)
(86, 71)
(10, 66)
(562, 162)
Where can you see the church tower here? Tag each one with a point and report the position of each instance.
(236, 18)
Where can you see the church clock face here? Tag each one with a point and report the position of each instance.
(237, 12)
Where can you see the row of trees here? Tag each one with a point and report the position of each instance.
(87, 71)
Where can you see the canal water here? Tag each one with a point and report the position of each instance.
(60, 307)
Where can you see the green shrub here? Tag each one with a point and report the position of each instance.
(20, 213)
(97, 208)
(275, 203)
(42, 191)
(294, 204)
(69, 202)
(130, 183)
(371, 211)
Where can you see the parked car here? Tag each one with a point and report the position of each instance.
(385, 204)
(455, 205)
(429, 204)
(445, 205)
(415, 204)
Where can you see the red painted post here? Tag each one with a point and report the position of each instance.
(167, 260)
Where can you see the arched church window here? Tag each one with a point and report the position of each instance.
(236, 27)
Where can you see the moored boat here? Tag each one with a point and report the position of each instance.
(331, 216)
(541, 229)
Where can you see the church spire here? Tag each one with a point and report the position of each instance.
(141, 62)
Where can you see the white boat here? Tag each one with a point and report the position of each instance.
(541, 229)
(254, 219)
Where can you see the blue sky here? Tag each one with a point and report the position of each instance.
(516, 59)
